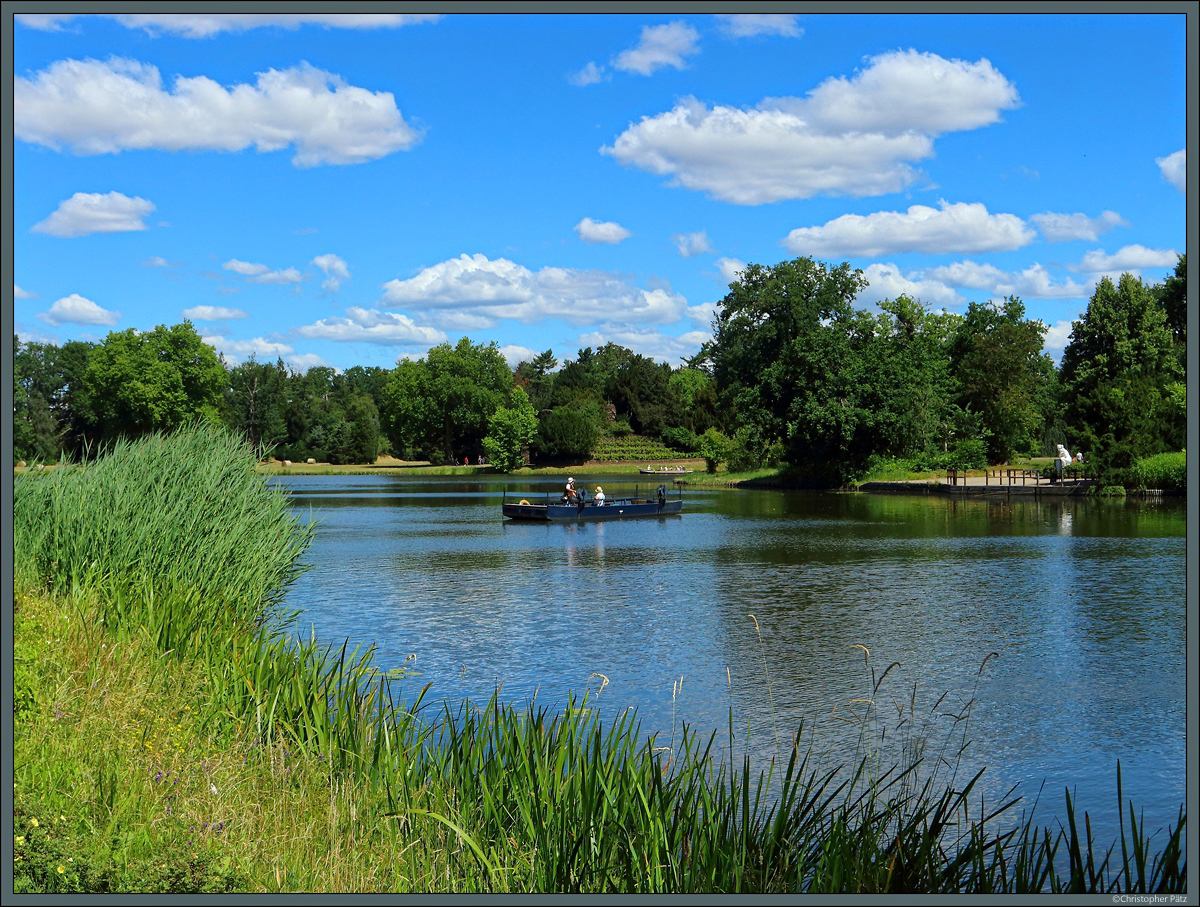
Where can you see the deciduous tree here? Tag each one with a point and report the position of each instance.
(154, 381)
(1116, 377)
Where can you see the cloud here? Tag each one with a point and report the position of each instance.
(958, 227)
(730, 268)
(660, 45)
(304, 361)
(1033, 282)
(374, 326)
(23, 294)
(260, 273)
(194, 25)
(853, 137)
(244, 267)
(1173, 168)
(692, 244)
(335, 270)
(157, 261)
(1058, 335)
(887, 282)
(600, 231)
(1064, 227)
(749, 25)
(939, 286)
(646, 341)
(93, 107)
(212, 313)
(85, 213)
(515, 355)
(1127, 258)
(589, 75)
(75, 309)
(488, 290)
(240, 349)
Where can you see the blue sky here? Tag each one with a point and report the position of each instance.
(350, 190)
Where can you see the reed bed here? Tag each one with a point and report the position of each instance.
(253, 759)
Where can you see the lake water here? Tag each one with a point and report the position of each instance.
(755, 612)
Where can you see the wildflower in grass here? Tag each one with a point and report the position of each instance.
(61, 869)
(19, 840)
(33, 822)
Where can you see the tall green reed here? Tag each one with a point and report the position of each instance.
(175, 535)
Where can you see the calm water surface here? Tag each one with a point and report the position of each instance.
(1083, 603)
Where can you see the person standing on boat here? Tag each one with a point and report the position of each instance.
(569, 492)
(599, 496)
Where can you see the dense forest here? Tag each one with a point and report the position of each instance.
(795, 377)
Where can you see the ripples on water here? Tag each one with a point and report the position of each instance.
(1083, 601)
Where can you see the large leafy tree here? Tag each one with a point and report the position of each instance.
(1117, 375)
(1172, 296)
(510, 430)
(900, 380)
(536, 377)
(136, 382)
(440, 406)
(404, 410)
(639, 388)
(256, 402)
(781, 357)
(467, 382)
(47, 418)
(998, 360)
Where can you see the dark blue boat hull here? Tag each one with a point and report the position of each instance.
(610, 510)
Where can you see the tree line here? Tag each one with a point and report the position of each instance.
(795, 377)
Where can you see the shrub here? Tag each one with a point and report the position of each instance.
(567, 432)
(1166, 471)
(714, 447)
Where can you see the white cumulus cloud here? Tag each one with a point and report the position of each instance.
(646, 341)
(1058, 335)
(335, 269)
(600, 231)
(212, 313)
(85, 213)
(94, 107)
(660, 45)
(1033, 282)
(202, 25)
(886, 281)
(958, 227)
(747, 25)
(1127, 258)
(730, 268)
(1173, 168)
(22, 294)
(481, 288)
(260, 273)
(692, 244)
(1063, 227)
(589, 75)
(855, 137)
(373, 326)
(239, 350)
(76, 309)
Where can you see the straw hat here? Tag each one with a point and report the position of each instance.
(598, 489)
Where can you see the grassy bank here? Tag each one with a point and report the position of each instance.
(173, 733)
